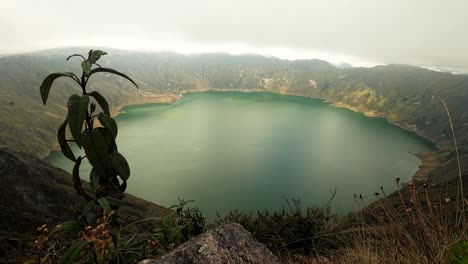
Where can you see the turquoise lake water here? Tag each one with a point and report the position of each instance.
(229, 150)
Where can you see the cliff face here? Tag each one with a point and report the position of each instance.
(33, 193)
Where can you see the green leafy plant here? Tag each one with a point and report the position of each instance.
(96, 133)
(179, 226)
(98, 142)
(458, 253)
(190, 217)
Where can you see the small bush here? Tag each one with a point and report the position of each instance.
(179, 226)
(289, 231)
(458, 254)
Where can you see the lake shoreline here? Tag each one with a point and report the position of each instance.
(255, 139)
(426, 158)
(405, 126)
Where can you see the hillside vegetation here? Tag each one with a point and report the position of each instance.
(413, 225)
(408, 96)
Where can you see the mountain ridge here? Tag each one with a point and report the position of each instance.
(408, 96)
(342, 65)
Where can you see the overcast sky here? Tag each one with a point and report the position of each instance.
(429, 33)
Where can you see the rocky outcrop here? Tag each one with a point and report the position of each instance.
(226, 244)
(32, 193)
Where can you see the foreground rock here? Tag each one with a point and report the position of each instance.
(226, 244)
(32, 193)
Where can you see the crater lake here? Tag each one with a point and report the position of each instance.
(250, 151)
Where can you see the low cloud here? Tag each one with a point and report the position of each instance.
(425, 33)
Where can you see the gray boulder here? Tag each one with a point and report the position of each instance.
(226, 244)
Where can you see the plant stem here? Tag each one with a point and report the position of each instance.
(88, 118)
(460, 182)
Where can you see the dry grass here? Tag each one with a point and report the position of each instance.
(422, 231)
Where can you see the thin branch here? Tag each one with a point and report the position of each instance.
(83, 83)
(76, 55)
(75, 78)
(77, 180)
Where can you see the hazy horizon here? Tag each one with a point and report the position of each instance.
(336, 64)
(428, 34)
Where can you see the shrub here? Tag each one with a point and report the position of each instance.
(458, 253)
(289, 231)
(179, 226)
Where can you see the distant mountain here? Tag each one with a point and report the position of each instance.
(343, 65)
(448, 69)
(408, 96)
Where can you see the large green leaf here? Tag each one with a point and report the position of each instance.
(120, 165)
(109, 70)
(86, 66)
(101, 101)
(74, 252)
(77, 180)
(72, 226)
(94, 180)
(97, 143)
(92, 108)
(47, 83)
(116, 202)
(96, 55)
(104, 204)
(63, 141)
(89, 206)
(175, 233)
(77, 106)
(109, 123)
